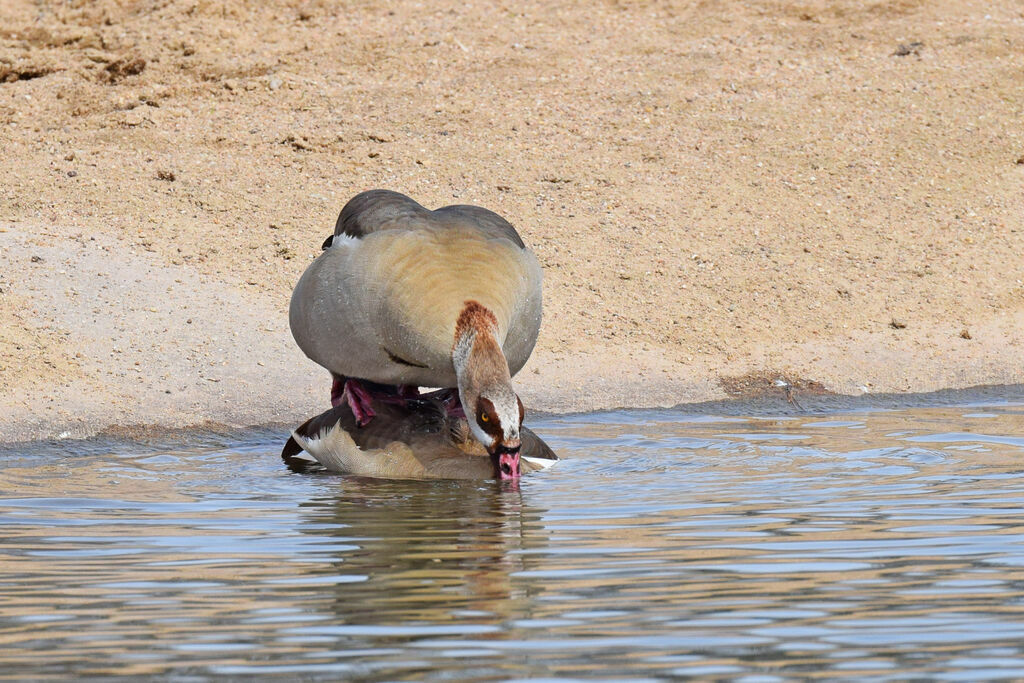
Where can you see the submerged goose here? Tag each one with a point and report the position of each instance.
(416, 440)
(404, 297)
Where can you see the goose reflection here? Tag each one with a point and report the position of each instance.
(425, 552)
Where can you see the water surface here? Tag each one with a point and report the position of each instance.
(874, 545)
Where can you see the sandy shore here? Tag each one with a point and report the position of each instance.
(722, 195)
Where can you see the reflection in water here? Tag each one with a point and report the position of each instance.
(878, 545)
(426, 550)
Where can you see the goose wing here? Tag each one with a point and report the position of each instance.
(375, 210)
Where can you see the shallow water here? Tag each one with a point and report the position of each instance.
(873, 545)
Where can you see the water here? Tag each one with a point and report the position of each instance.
(873, 545)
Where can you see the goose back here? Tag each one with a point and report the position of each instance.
(381, 301)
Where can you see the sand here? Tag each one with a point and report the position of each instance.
(725, 197)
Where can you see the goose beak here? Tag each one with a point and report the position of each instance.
(506, 460)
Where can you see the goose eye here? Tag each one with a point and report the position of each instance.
(486, 418)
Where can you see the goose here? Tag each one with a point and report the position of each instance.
(417, 439)
(404, 297)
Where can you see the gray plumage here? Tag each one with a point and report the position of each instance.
(381, 302)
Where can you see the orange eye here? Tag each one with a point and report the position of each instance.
(484, 418)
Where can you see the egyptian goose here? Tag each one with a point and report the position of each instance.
(404, 297)
(418, 439)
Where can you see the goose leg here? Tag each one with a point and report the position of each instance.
(352, 391)
(449, 398)
(337, 390)
(359, 400)
(408, 391)
(394, 394)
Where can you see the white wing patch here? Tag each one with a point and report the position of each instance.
(343, 240)
(542, 463)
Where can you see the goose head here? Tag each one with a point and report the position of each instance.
(493, 410)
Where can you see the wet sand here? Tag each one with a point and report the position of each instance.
(728, 200)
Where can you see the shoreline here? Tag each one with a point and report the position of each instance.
(764, 406)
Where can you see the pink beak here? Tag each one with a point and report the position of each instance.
(508, 465)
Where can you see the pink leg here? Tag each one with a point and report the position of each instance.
(337, 391)
(359, 397)
(359, 401)
(399, 396)
(449, 398)
(408, 390)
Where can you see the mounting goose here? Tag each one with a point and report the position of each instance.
(404, 297)
(419, 439)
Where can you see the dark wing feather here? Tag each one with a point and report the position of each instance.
(534, 446)
(391, 423)
(377, 210)
(292, 449)
(312, 427)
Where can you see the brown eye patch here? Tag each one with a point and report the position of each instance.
(487, 418)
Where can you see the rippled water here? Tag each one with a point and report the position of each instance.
(873, 545)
